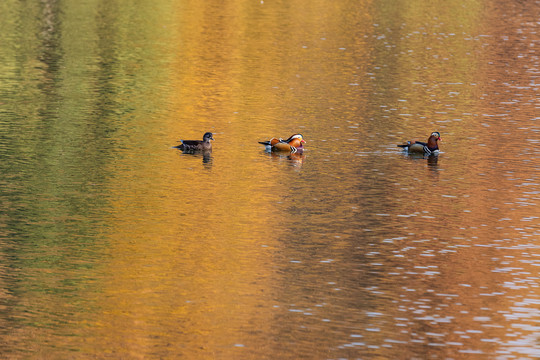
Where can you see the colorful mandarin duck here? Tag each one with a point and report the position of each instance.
(293, 144)
(197, 145)
(429, 148)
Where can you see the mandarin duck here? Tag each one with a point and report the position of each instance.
(293, 144)
(197, 145)
(431, 147)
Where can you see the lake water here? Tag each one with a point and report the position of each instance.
(114, 245)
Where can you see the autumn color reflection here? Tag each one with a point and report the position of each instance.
(116, 245)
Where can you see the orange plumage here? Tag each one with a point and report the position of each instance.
(293, 144)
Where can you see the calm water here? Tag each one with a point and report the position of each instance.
(113, 245)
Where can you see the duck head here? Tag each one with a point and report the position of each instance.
(295, 136)
(207, 137)
(296, 140)
(433, 140)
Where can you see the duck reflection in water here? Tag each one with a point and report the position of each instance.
(294, 159)
(206, 155)
(432, 160)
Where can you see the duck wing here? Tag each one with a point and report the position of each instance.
(191, 142)
(405, 145)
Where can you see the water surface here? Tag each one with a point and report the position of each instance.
(115, 245)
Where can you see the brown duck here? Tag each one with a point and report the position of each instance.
(197, 145)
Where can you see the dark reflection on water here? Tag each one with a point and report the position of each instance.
(206, 156)
(115, 245)
(295, 160)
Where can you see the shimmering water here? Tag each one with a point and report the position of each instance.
(115, 245)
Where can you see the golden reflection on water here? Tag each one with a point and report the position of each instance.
(348, 250)
(188, 254)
